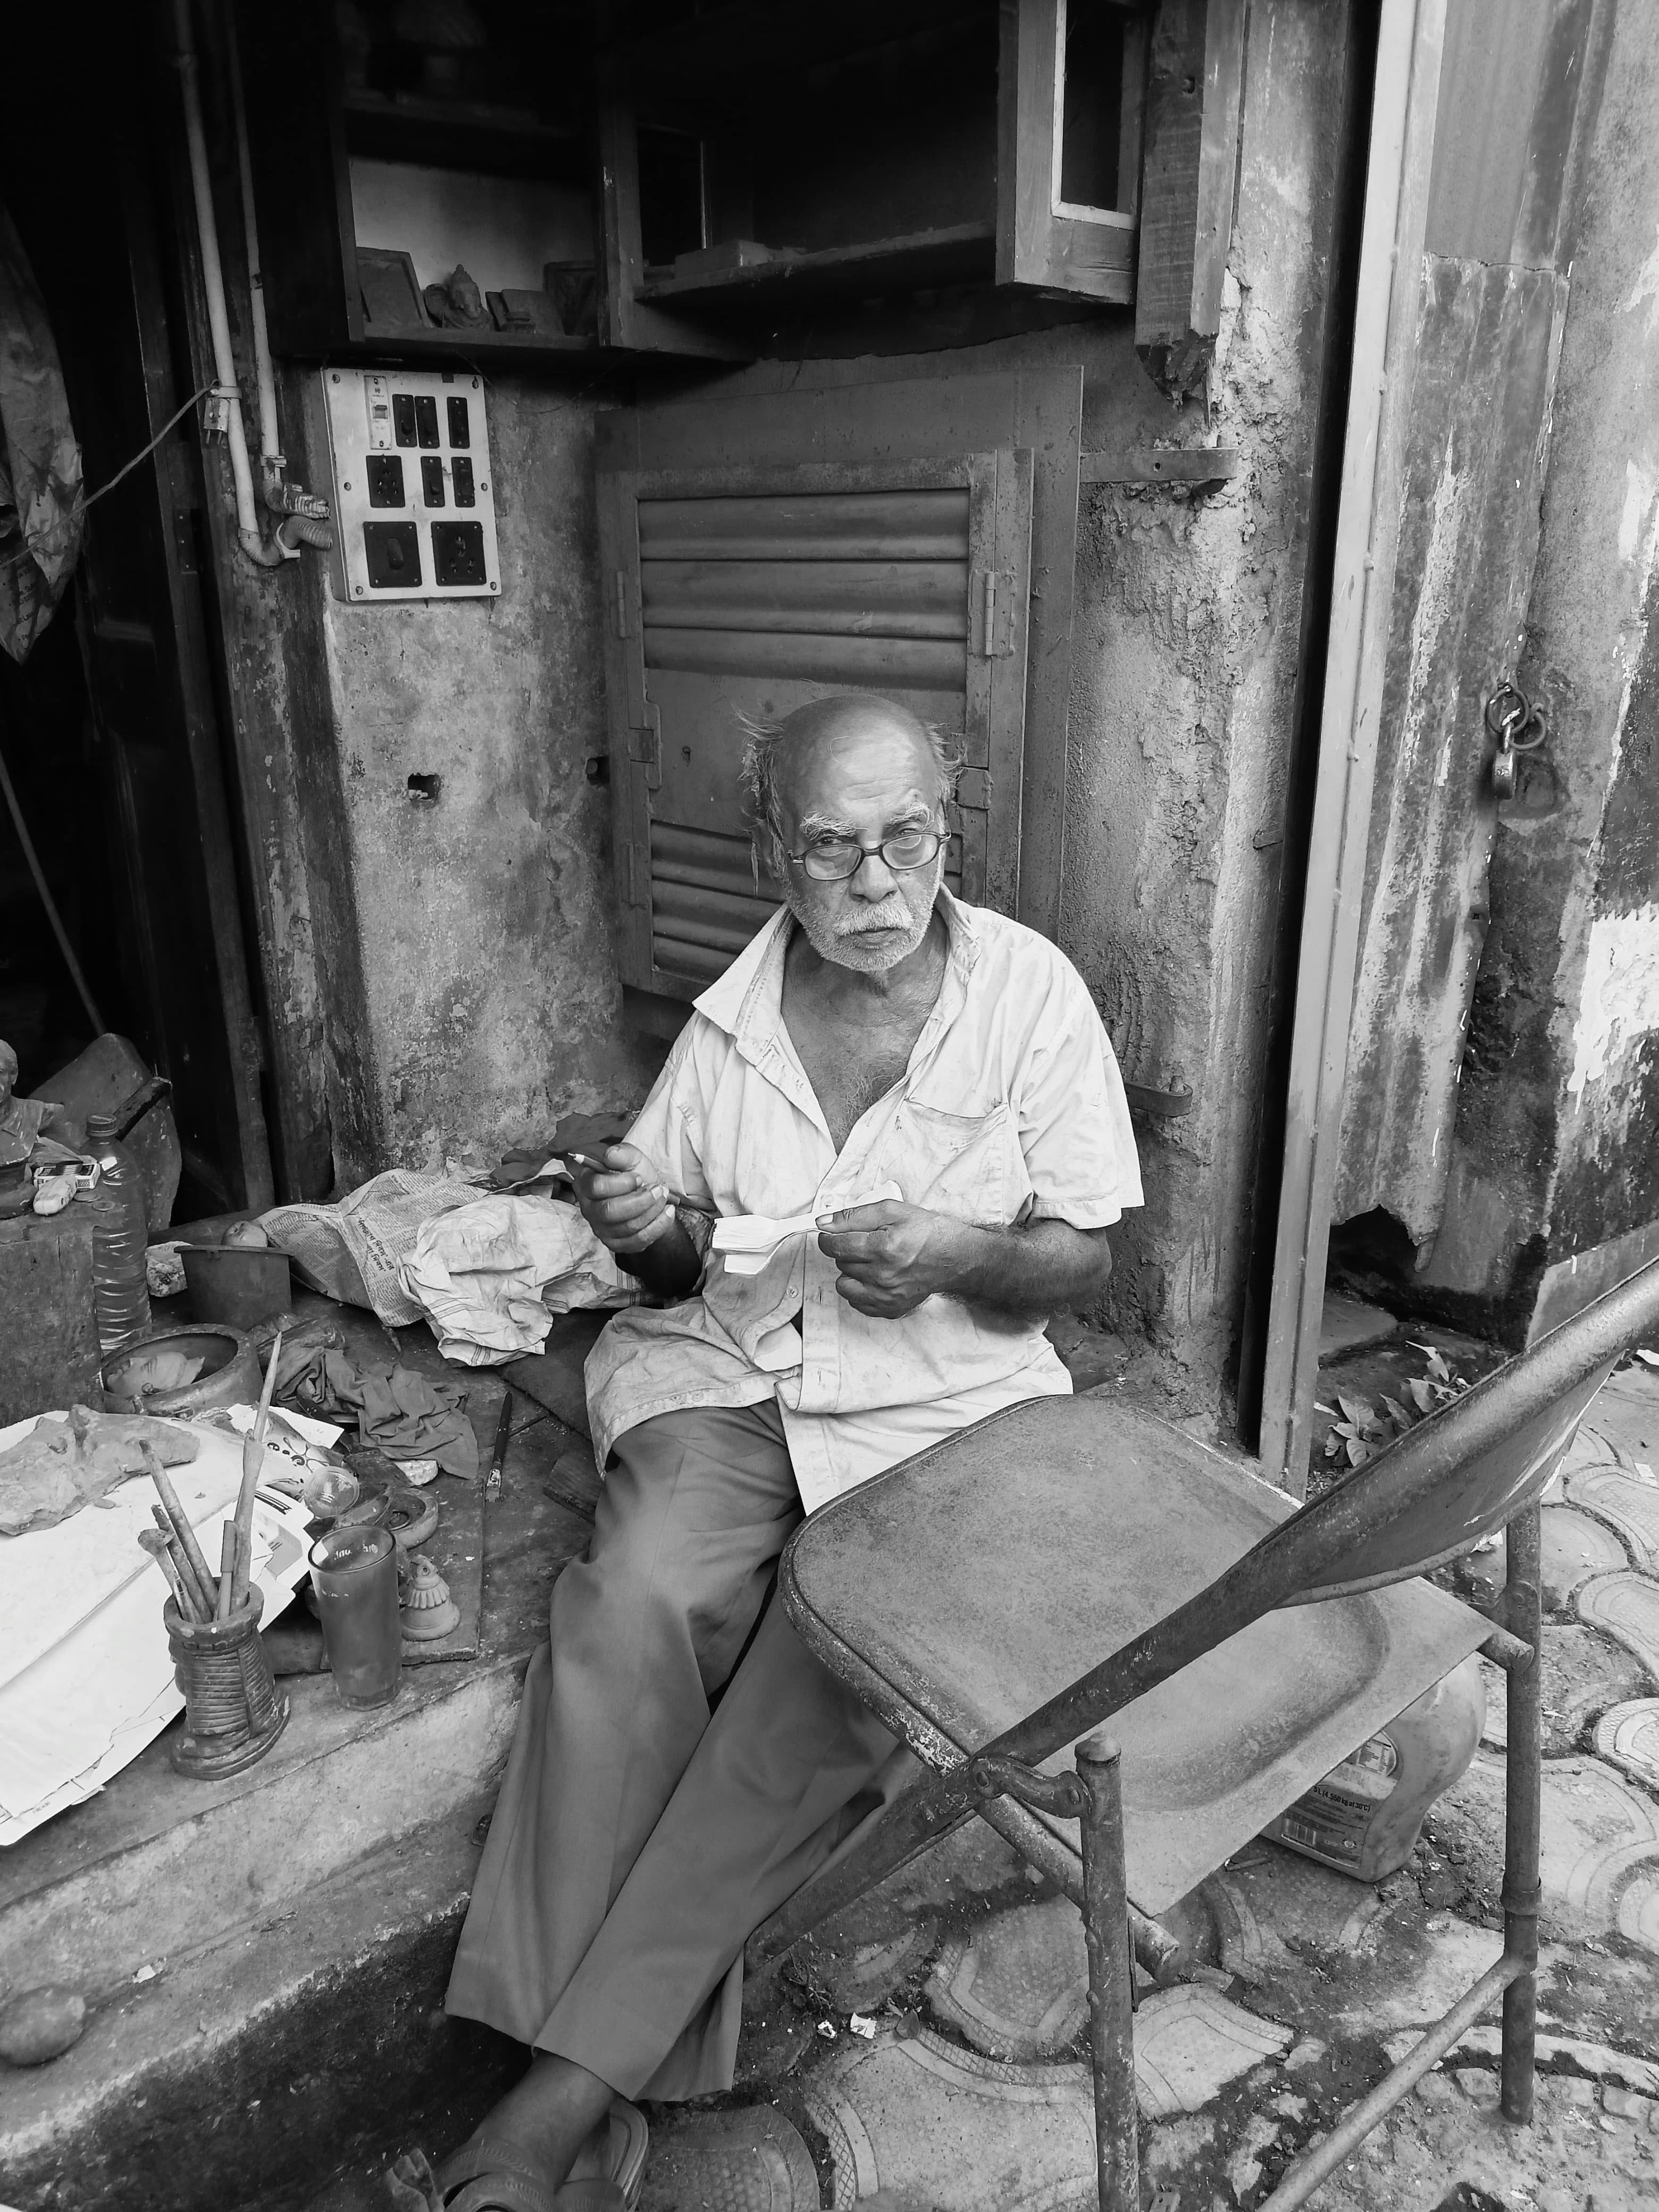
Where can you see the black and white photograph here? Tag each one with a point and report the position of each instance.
(829, 1106)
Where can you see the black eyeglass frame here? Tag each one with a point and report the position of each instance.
(941, 838)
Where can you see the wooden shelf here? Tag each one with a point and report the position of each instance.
(962, 254)
(713, 56)
(444, 135)
(482, 349)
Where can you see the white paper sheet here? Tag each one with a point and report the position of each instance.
(747, 1241)
(97, 1683)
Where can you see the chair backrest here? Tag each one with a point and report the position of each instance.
(1469, 1469)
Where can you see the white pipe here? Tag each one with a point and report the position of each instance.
(224, 360)
(271, 453)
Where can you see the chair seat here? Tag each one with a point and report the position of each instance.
(982, 1576)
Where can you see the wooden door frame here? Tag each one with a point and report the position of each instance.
(1399, 167)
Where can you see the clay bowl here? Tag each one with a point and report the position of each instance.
(230, 1373)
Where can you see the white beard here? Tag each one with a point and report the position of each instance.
(851, 945)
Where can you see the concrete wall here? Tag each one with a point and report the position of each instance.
(1184, 665)
(483, 917)
(481, 925)
(1556, 1144)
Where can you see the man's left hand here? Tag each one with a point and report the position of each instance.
(892, 1255)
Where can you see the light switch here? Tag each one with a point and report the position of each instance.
(407, 446)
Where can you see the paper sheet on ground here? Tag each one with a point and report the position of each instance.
(88, 1675)
(746, 1241)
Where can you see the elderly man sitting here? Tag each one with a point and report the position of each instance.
(682, 1765)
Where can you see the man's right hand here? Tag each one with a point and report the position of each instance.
(622, 1201)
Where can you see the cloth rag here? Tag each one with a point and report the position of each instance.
(405, 1414)
(490, 1276)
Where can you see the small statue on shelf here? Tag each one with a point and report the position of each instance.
(20, 1118)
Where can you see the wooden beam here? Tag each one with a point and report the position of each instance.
(1193, 88)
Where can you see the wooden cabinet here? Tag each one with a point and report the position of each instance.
(725, 184)
(763, 162)
(363, 160)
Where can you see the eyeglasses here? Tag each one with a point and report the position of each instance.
(833, 859)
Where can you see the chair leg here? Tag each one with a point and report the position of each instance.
(1111, 1970)
(1524, 1614)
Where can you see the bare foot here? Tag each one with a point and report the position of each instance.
(552, 2116)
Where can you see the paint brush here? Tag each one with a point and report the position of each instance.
(254, 1458)
(195, 1608)
(181, 1527)
(228, 1554)
(156, 1545)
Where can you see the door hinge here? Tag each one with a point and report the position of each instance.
(645, 746)
(622, 604)
(635, 886)
(992, 613)
(184, 541)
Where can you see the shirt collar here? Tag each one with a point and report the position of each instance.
(747, 1001)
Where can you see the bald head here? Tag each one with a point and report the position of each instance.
(782, 759)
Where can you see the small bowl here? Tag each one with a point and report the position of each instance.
(229, 1375)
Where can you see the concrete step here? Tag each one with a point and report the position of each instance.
(244, 2071)
(159, 1868)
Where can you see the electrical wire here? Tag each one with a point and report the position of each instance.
(46, 899)
(12, 560)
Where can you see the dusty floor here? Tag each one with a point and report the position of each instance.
(1309, 1983)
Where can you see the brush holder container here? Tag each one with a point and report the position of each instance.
(233, 1711)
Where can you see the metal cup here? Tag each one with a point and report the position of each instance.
(354, 1572)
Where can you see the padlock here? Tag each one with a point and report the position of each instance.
(1519, 728)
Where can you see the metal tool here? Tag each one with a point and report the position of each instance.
(503, 1431)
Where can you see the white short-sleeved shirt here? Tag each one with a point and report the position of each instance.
(1011, 1110)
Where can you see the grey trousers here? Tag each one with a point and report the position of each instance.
(637, 1842)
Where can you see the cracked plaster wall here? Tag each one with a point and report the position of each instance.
(1184, 660)
(1557, 1142)
(484, 917)
(485, 920)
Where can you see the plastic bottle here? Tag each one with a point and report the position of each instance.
(120, 1235)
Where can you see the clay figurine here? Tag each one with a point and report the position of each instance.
(428, 1610)
(20, 1118)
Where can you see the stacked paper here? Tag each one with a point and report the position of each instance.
(86, 1677)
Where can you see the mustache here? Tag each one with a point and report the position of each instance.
(898, 916)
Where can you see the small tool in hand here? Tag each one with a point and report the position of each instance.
(503, 1431)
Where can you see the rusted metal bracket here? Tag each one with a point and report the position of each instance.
(1158, 1105)
(1062, 1797)
(1187, 464)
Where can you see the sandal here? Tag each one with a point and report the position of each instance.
(485, 2175)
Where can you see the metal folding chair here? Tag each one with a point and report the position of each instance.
(968, 1594)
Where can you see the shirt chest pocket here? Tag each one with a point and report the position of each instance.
(968, 1165)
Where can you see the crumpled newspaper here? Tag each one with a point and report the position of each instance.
(352, 1251)
(490, 1276)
